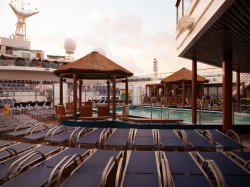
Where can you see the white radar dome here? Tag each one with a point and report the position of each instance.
(70, 46)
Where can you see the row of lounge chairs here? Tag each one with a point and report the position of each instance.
(121, 139)
(27, 107)
(42, 165)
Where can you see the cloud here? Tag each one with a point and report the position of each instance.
(128, 39)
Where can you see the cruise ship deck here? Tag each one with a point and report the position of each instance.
(53, 146)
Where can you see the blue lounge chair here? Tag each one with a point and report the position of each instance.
(119, 140)
(65, 137)
(224, 141)
(184, 170)
(141, 170)
(4, 143)
(15, 165)
(18, 133)
(234, 174)
(144, 139)
(43, 172)
(46, 133)
(93, 139)
(169, 140)
(15, 149)
(95, 170)
(196, 141)
(242, 158)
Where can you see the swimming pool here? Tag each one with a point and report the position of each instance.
(186, 114)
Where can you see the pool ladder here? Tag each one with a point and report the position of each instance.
(158, 105)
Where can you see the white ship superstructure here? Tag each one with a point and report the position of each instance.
(23, 70)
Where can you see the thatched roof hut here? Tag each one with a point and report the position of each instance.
(96, 67)
(182, 75)
(93, 66)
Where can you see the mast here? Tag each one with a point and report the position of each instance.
(21, 14)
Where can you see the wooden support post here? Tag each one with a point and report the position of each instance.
(238, 90)
(194, 91)
(114, 98)
(108, 84)
(75, 96)
(126, 91)
(227, 65)
(183, 94)
(80, 93)
(61, 90)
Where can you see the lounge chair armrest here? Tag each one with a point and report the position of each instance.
(33, 129)
(111, 163)
(247, 165)
(64, 163)
(73, 135)
(211, 167)
(49, 133)
(209, 135)
(53, 132)
(183, 136)
(23, 125)
(102, 135)
(232, 134)
(119, 172)
(166, 174)
(18, 165)
(79, 134)
(155, 138)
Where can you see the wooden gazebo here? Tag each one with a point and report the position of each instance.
(96, 67)
(180, 85)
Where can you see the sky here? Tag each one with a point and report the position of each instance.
(130, 32)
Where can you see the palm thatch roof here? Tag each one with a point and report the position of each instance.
(183, 75)
(93, 66)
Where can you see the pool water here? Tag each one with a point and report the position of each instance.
(186, 114)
